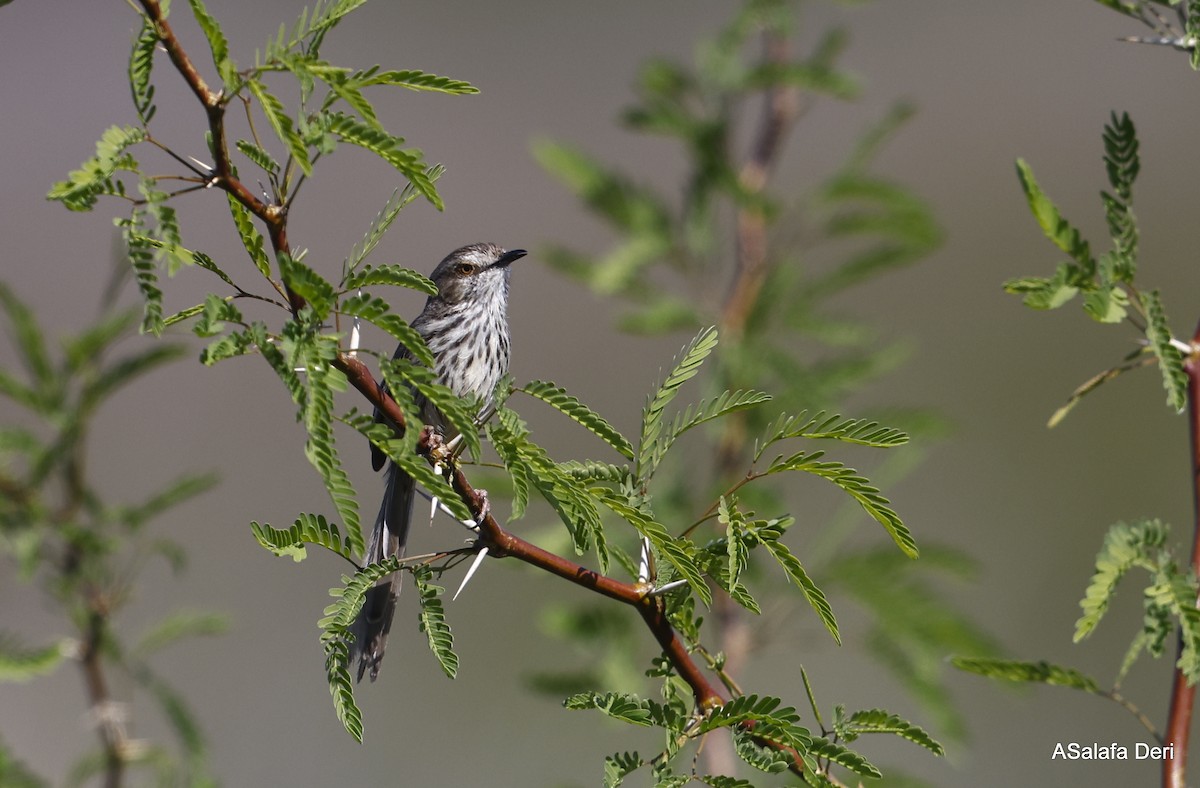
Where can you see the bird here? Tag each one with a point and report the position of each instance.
(465, 326)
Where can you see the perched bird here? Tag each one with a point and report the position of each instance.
(466, 327)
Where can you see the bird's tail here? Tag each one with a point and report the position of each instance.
(388, 538)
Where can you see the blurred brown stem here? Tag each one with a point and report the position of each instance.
(1183, 696)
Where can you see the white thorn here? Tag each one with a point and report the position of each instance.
(668, 587)
(199, 163)
(644, 562)
(470, 572)
(355, 333)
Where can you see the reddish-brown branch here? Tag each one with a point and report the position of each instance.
(500, 543)
(1183, 697)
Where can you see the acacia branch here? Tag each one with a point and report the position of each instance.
(214, 103)
(505, 544)
(1183, 695)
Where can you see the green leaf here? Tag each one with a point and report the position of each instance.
(620, 765)
(690, 359)
(1170, 360)
(408, 162)
(20, 663)
(1056, 228)
(679, 551)
(306, 529)
(530, 462)
(458, 412)
(433, 621)
(825, 427)
(857, 487)
(1106, 304)
(375, 310)
(400, 451)
(557, 397)
(125, 370)
(93, 178)
(226, 68)
(145, 271)
(383, 220)
(263, 160)
(390, 275)
(843, 756)
(880, 721)
(335, 637)
(1125, 546)
(321, 449)
(1030, 672)
(179, 626)
(141, 60)
(795, 572)
(28, 338)
(281, 122)
(1043, 293)
(317, 291)
(415, 80)
(178, 491)
(625, 707)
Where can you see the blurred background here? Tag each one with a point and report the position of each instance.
(990, 81)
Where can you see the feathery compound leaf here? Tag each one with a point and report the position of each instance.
(19, 663)
(415, 80)
(1056, 228)
(383, 220)
(321, 449)
(27, 337)
(252, 240)
(457, 411)
(795, 572)
(79, 191)
(557, 397)
(408, 162)
(1121, 162)
(141, 60)
(145, 271)
(625, 707)
(620, 765)
(825, 427)
(680, 552)
(881, 721)
(1175, 594)
(180, 626)
(1170, 360)
(1121, 154)
(857, 487)
(843, 756)
(390, 275)
(375, 310)
(307, 529)
(1031, 672)
(1125, 546)
(692, 356)
(281, 122)
(433, 621)
(525, 459)
(226, 68)
(263, 160)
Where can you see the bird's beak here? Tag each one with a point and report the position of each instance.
(508, 258)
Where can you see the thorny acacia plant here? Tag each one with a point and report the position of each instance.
(608, 508)
(64, 533)
(1112, 292)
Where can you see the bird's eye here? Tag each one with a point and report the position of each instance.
(463, 269)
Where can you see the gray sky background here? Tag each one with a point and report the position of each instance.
(992, 81)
